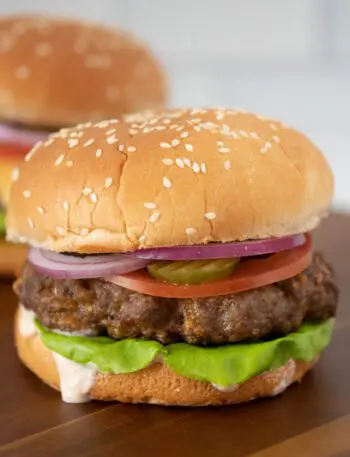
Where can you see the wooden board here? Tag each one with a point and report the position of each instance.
(311, 419)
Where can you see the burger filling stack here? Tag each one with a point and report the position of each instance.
(171, 258)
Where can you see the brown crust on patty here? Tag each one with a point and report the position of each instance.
(157, 384)
(104, 307)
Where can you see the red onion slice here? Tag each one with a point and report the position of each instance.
(64, 266)
(222, 250)
(21, 136)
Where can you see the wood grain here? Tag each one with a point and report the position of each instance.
(311, 419)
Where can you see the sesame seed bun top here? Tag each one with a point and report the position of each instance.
(168, 178)
(57, 72)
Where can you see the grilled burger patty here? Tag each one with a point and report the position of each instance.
(105, 308)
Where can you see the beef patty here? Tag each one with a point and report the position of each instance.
(106, 308)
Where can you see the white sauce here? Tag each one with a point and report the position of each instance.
(76, 380)
(226, 389)
(26, 323)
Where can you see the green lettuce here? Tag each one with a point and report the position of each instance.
(2, 223)
(223, 365)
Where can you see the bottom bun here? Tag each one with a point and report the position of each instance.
(12, 257)
(157, 384)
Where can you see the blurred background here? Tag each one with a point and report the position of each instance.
(288, 59)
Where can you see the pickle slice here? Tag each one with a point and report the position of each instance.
(192, 271)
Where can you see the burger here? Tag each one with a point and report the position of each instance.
(57, 72)
(171, 260)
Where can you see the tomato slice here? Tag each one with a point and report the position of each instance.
(250, 274)
(14, 150)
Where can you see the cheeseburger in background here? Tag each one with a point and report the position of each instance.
(180, 272)
(60, 72)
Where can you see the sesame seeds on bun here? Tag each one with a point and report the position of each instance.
(176, 177)
(57, 72)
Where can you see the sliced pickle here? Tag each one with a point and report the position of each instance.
(192, 271)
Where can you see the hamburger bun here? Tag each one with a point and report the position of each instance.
(157, 384)
(176, 177)
(57, 72)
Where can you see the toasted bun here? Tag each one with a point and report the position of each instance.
(60, 72)
(170, 178)
(157, 384)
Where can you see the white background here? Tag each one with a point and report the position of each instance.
(285, 58)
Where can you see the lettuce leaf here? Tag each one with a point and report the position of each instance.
(2, 223)
(223, 365)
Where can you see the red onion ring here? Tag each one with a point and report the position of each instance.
(221, 250)
(63, 266)
(21, 136)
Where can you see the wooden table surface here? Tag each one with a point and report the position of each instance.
(311, 419)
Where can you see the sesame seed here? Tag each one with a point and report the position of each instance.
(235, 136)
(195, 167)
(86, 191)
(184, 135)
(72, 142)
(48, 142)
(165, 145)
(108, 182)
(98, 153)
(268, 145)
(189, 147)
(65, 206)
(110, 131)
(112, 139)
(175, 143)
(60, 230)
(15, 174)
(142, 239)
(166, 121)
(179, 129)
(187, 162)
(160, 128)
(220, 143)
(43, 49)
(149, 205)
(276, 139)
(40, 210)
(227, 164)
(273, 126)
(121, 147)
(243, 133)
(203, 168)
(69, 163)
(173, 127)
(89, 142)
(179, 162)
(167, 161)
(26, 194)
(224, 150)
(210, 216)
(254, 135)
(263, 150)
(197, 128)
(59, 160)
(93, 197)
(131, 149)
(154, 216)
(22, 72)
(190, 231)
(30, 222)
(166, 182)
